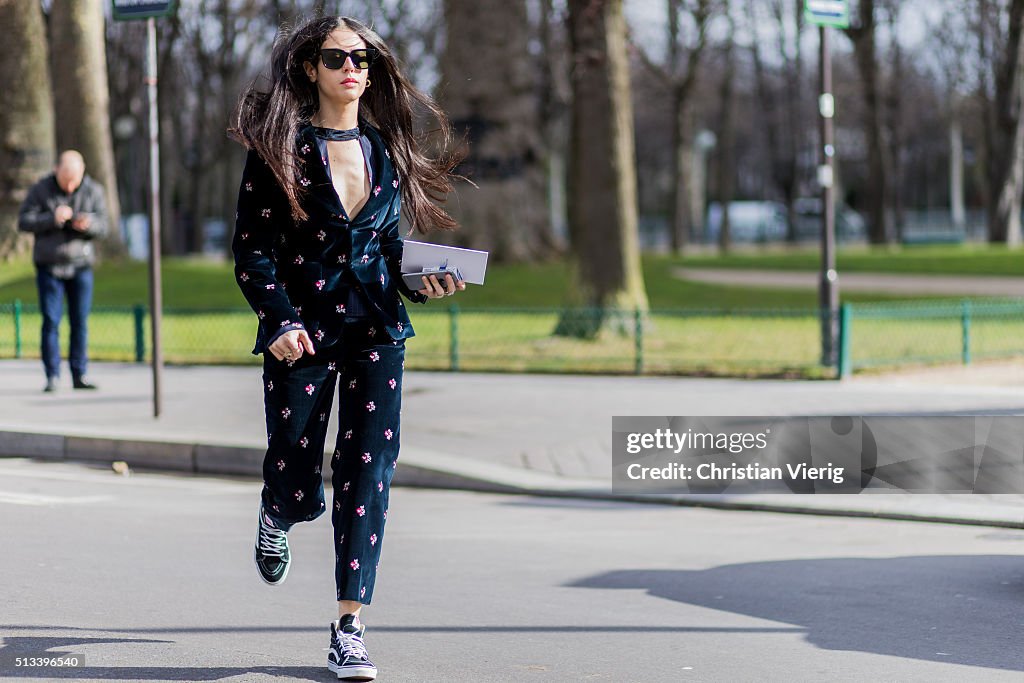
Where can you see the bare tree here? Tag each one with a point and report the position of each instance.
(863, 34)
(26, 118)
(726, 158)
(489, 90)
(606, 270)
(688, 21)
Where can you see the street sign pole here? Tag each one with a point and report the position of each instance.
(125, 10)
(826, 13)
(828, 289)
(155, 283)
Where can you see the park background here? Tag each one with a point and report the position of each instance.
(624, 154)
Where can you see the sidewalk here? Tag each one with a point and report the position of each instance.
(892, 283)
(538, 434)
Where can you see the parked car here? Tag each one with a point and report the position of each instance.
(749, 221)
(850, 225)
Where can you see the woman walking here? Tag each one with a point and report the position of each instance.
(331, 157)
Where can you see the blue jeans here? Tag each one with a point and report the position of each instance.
(52, 291)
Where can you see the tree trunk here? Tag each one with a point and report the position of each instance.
(82, 98)
(1006, 142)
(726, 175)
(878, 195)
(26, 119)
(489, 89)
(606, 270)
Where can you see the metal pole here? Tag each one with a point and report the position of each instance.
(155, 287)
(828, 290)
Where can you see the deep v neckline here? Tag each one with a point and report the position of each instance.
(367, 184)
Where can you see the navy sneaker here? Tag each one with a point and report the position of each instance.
(347, 657)
(271, 553)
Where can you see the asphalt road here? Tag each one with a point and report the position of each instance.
(150, 578)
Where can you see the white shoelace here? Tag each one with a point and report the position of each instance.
(351, 646)
(272, 541)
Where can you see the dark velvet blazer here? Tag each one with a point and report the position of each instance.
(298, 273)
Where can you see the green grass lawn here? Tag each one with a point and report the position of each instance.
(937, 259)
(208, 285)
(694, 328)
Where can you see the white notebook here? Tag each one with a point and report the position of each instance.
(423, 256)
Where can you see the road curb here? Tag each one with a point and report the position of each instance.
(425, 469)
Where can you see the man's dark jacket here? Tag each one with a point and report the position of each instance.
(61, 245)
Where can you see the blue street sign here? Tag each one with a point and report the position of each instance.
(125, 10)
(827, 13)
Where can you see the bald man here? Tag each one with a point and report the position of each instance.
(65, 211)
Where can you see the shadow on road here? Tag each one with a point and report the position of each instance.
(954, 609)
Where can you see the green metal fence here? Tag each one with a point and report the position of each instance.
(685, 341)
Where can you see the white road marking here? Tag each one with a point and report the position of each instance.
(39, 499)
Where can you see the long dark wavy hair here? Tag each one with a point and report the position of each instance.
(269, 120)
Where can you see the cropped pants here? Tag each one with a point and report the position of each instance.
(298, 397)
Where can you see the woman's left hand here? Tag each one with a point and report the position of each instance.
(434, 289)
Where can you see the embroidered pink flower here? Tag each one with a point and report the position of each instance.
(320, 284)
(392, 383)
(286, 413)
(348, 434)
(299, 495)
(298, 309)
(394, 464)
(336, 455)
(346, 485)
(352, 384)
(370, 407)
(343, 259)
(280, 465)
(341, 539)
(332, 366)
(322, 235)
(340, 308)
(337, 505)
(261, 315)
(354, 563)
(310, 389)
(270, 385)
(305, 148)
(387, 154)
(374, 356)
(367, 457)
(245, 235)
(248, 187)
(285, 322)
(319, 335)
(299, 260)
(244, 277)
(276, 509)
(265, 213)
(271, 286)
(399, 326)
(376, 191)
(305, 182)
(380, 486)
(365, 258)
(362, 591)
(385, 513)
(394, 183)
(304, 442)
(372, 331)
(373, 539)
(323, 416)
(360, 510)
(388, 434)
(382, 279)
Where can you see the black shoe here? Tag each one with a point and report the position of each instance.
(83, 383)
(347, 657)
(51, 385)
(271, 553)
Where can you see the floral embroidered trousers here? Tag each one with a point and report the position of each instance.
(298, 397)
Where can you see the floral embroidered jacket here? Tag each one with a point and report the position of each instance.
(297, 274)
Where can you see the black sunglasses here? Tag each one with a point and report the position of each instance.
(361, 58)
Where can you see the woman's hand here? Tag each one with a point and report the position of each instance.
(434, 289)
(291, 345)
